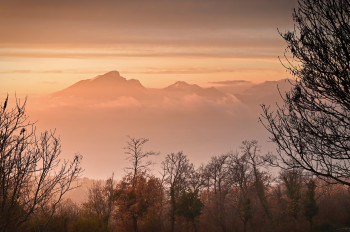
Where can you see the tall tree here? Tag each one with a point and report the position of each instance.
(176, 172)
(136, 155)
(189, 205)
(292, 182)
(32, 175)
(312, 127)
(100, 201)
(251, 149)
(218, 181)
(310, 205)
(137, 197)
(242, 176)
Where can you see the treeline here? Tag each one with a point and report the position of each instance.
(232, 192)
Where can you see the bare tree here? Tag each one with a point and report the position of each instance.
(176, 172)
(251, 150)
(101, 200)
(312, 128)
(218, 180)
(136, 155)
(242, 177)
(31, 173)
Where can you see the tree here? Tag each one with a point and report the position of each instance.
(176, 172)
(101, 201)
(292, 182)
(137, 198)
(251, 149)
(312, 127)
(219, 181)
(135, 191)
(189, 205)
(310, 206)
(242, 176)
(32, 176)
(136, 155)
(245, 212)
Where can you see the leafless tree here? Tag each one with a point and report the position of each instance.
(312, 128)
(176, 173)
(218, 181)
(136, 155)
(242, 178)
(31, 173)
(101, 200)
(251, 150)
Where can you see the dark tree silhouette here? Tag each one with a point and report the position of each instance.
(251, 149)
(312, 128)
(245, 212)
(292, 181)
(310, 205)
(219, 181)
(176, 173)
(32, 175)
(136, 155)
(189, 205)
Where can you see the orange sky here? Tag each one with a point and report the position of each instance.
(48, 45)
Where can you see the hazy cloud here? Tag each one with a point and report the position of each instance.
(90, 22)
(230, 82)
(30, 71)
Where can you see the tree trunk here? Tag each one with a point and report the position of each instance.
(194, 225)
(134, 220)
(310, 221)
(172, 213)
(245, 225)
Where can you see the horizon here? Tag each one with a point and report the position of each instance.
(174, 115)
(47, 46)
(233, 46)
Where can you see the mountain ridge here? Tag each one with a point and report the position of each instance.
(112, 84)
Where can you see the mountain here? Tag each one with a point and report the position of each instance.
(108, 85)
(94, 116)
(185, 88)
(267, 92)
(112, 87)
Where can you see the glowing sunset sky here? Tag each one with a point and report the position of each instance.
(46, 46)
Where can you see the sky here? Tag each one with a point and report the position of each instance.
(232, 45)
(46, 46)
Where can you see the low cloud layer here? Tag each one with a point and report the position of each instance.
(199, 121)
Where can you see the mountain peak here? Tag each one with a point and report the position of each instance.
(182, 85)
(109, 76)
(108, 85)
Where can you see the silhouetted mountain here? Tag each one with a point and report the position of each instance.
(111, 86)
(108, 85)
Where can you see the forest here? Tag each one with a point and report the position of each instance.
(237, 191)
